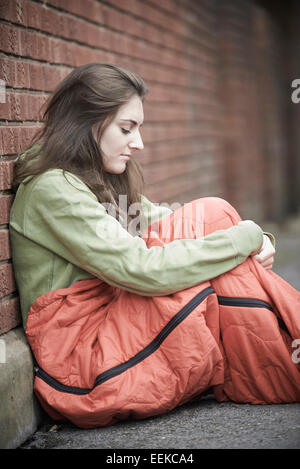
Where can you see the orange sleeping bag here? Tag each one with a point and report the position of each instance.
(103, 354)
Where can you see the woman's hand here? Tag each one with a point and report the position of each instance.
(266, 254)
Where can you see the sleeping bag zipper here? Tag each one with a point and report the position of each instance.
(140, 356)
(244, 302)
(251, 303)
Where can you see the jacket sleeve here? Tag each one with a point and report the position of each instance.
(65, 217)
(153, 212)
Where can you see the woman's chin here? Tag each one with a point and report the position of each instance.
(118, 168)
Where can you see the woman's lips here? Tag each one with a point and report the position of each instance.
(125, 157)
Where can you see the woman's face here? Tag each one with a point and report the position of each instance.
(122, 137)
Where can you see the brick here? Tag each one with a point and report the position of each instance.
(171, 6)
(5, 9)
(22, 106)
(88, 9)
(7, 281)
(34, 14)
(14, 11)
(6, 174)
(5, 206)
(10, 314)
(16, 139)
(36, 76)
(15, 72)
(29, 44)
(9, 39)
(5, 252)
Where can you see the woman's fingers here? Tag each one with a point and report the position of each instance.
(268, 264)
(266, 255)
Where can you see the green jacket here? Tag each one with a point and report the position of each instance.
(60, 234)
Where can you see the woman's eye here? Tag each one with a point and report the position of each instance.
(125, 131)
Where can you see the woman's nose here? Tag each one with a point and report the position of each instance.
(137, 142)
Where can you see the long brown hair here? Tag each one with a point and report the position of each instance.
(90, 94)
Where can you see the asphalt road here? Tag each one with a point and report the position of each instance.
(200, 424)
(203, 424)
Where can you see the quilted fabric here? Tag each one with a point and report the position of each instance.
(104, 354)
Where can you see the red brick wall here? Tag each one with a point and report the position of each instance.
(211, 128)
(292, 28)
(252, 49)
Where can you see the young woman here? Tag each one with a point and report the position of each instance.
(121, 311)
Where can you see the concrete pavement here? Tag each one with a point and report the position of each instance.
(205, 424)
(19, 410)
